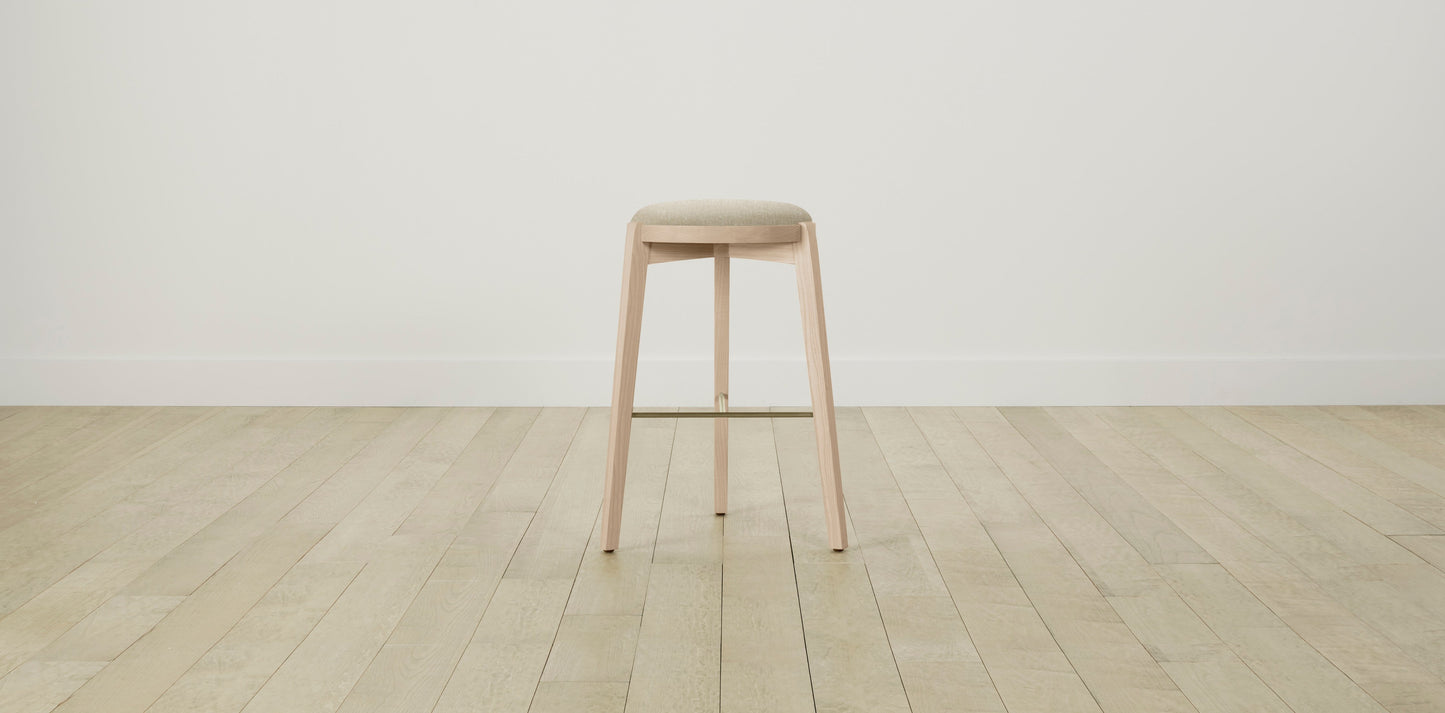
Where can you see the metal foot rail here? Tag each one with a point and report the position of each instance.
(722, 411)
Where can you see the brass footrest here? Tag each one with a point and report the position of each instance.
(711, 413)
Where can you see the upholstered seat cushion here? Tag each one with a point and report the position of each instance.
(725, 211)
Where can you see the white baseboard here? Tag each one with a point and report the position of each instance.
(683, 382)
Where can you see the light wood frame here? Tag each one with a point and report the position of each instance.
(794, 244)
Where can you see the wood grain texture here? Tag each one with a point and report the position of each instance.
(717, 234)
(674, 252)
(678, 656)
(1398, 489)
(616, 582)
(1120, 673)
(34, 429)
(648, 244)
(39, 686)
(721, 296)
(230, 673)
(502, 664)
(1016, 559)
(44, 484)
(579, 697)
(1340, 607)
(624, 384)
(820, 382)
(147, 668)
(132, 540)
(59, 537)
(67, 441)
(1430, 548)
(526, 611)
(1357, 499)
(1025, 662)
(764, 659)
(766, 252)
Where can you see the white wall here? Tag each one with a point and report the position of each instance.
(1038, 202)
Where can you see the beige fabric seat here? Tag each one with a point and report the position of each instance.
(725, 211)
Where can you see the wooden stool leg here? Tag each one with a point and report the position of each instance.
(820, 381)
(624, 382)
(720, 378)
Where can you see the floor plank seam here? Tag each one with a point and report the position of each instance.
(1075, 557)
(532, 521)
(1027, 596)
(793, 557)
(1224, 566)
(1105, 559)
(987, 671)
(299, 641)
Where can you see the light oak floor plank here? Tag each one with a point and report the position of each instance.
(39, 686)
(239, 429)
(420, 631)
(1150, 533)
(1370, 515)
(1425, 446)
(136, 432)
(1020, 653)
(678, 660)
(231, 672)
(615, 582)
(591, 657)
(471, 476)
(1296, 670)
(324, 669)
(358, 449)
(579, 697)
(1203, 666)
(34, 428)
(764, 658)
(1109, 658)
(1350, 435)
(51, 543)
(1366, 504)
(143, 672)
(550, 476)
(1329, 596)
(68, 436)
(567, 513)
(219, 560)
(133, 681)
(851, 663)
(1405, 492)
(503, 661)
(412, 670)
(1419, 419)
(155, 462)
(142, 538)
(1430, 548)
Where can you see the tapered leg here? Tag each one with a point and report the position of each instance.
(624, 382)
(720, 378)
(820, 381)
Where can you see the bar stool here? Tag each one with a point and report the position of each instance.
(721, 230)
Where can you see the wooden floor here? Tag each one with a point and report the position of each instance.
(1021, 559)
